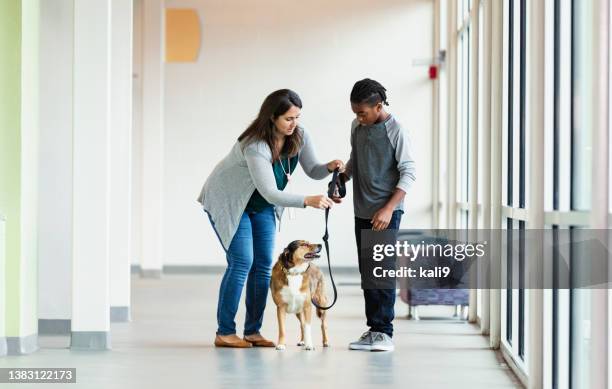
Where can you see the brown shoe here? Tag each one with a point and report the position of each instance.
(231, 341)
(259, 341)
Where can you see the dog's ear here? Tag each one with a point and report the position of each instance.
(293, 246)
(286, 256)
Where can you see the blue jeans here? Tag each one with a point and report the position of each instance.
(249, 258)
(379, 303)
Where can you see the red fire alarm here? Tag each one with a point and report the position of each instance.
(433, 72)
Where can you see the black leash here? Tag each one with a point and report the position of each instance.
(330, 193)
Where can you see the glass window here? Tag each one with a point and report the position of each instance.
(515, 165)
(443, 116)
(580, 199)
(561, 183)
(464, 119)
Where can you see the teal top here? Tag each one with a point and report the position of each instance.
(257, 203)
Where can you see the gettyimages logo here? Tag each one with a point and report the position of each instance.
(412, 251)
(419, 252)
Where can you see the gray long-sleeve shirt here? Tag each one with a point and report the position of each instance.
(229, 187)
(381, 161)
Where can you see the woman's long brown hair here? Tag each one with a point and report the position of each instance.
(262, 128)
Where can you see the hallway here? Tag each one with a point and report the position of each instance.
(122, 167)
(169, 344)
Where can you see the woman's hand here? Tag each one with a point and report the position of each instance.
(319, 201)
(335, 164)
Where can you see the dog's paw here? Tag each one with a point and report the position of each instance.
(326, 344)
(308, 347)
(280, 346)
(300, 343)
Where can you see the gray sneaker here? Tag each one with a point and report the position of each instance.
(381, 342)
(364, 342)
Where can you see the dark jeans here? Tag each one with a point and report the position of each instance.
(379, 303)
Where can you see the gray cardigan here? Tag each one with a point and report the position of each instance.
(229, 187)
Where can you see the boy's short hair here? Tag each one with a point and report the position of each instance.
(368, 91)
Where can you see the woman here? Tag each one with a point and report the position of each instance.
(242, 196)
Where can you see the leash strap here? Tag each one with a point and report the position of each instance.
(330, 193)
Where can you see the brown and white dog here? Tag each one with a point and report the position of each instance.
(295, 282)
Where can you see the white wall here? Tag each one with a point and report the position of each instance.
(136, 233)
(91, 168)
(55, 195)
(317, 48)
(56, 152)
(152, 150)
(121, 153)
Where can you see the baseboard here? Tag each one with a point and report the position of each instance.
(219, 269)
(120, 314)
(151, 273)
(194, 269)
(341, 270)
(21, 345)
(90, 340)
(54, 326)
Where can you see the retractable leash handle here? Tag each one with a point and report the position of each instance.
(336, 182)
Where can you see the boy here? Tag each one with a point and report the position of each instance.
(382, 170)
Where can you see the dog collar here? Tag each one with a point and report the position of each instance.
(288, 273)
